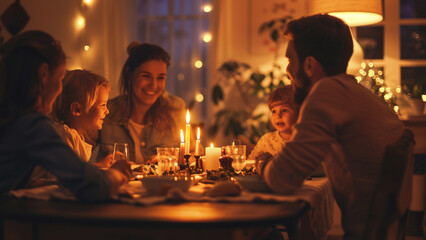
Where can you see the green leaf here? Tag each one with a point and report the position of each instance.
(217, 94)
(257, 77)
(274, 35)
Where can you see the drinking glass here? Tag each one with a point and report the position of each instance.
(238, 154)
(121, 152)
(167, 159)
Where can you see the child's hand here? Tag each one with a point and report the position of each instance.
(261, 161)
(153, 160)
(122, 166)
(106, 162)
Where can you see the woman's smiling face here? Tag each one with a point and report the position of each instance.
(149, 81)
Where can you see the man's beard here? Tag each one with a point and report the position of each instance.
(300, 93)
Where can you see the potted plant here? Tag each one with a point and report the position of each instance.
(416, 94)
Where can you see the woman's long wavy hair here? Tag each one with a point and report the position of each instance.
(20, 84)
(159, 113)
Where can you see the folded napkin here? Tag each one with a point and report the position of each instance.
(44, 193)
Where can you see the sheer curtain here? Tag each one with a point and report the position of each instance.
(179, 26)
(119, 29)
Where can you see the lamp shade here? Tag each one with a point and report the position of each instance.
(353, 12)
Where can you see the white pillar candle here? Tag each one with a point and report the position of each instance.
(187, 134)
(212, 157)
(197, 143)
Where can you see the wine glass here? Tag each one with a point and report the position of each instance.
(167, 159)
(121, 152)
(238, 154)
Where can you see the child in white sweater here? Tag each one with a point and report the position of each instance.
(284, 112)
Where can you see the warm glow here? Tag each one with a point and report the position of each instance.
(198, 64)
(424, 97)
(398, 90)
(396, 108)
(207, 37)
(198, 133)
(87, 2)
(80, 22)
(354, 19)
(353, 12)
(199, 97)
(86, 48)
(187, 117)
(182, 138)
(211, 145)
(207, 8)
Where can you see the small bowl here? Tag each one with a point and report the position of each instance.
(153, 184)
(253, 183)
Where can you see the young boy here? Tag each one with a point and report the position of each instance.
(284, 112)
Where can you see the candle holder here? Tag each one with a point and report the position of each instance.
(186, 166)
(198, 162)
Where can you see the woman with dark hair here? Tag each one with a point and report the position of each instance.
(31, 73)
(144, 115)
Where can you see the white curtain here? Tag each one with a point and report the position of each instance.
(119, 29)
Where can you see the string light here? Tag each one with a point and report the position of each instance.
(199, 97)
(198, 64)
(207, 8)
(207, 37)
(86, 48)
(80, 22)
(373, 79)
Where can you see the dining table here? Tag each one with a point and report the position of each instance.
(28, 218)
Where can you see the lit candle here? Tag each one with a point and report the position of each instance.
(187, 134)
(197, 143)
(212, 157)
(181, 161)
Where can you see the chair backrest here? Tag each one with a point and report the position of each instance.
(393, 190)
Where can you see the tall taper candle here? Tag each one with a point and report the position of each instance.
(187, 134)
(181, 160)
(197, 143)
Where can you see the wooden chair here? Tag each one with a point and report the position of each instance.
(392, 198)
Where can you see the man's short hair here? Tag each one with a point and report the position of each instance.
(326, 38)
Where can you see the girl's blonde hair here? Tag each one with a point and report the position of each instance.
(80, 86)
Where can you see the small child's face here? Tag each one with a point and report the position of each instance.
(94, 117)
(283, 117)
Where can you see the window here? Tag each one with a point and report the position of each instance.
(398, 43)
(181, 27)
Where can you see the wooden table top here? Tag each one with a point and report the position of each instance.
(202, 214)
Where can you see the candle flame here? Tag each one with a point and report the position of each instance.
(182, 139)
(187, 116)
(198, 133)
(211, 145)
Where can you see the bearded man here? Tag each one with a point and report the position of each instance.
(341, 124)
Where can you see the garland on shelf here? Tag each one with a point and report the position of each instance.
(373, 79)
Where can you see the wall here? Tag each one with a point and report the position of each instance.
(107, 51)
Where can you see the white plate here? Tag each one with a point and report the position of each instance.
(253, 183)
